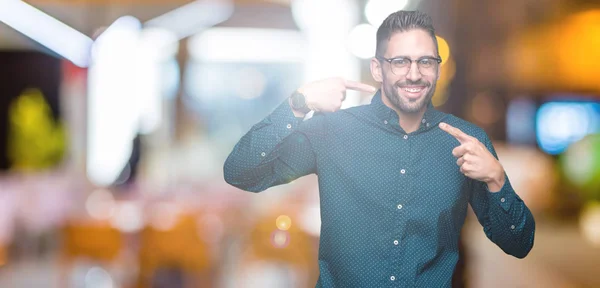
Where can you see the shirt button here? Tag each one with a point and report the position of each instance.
(399, 206)
(423, 121)
(263, 154)
(405, 136)
(289, 126)
(427, 124)
(502, 200)
(393, 278)
(512, 227)
(395, 242)
(402, 171)
(384, 121)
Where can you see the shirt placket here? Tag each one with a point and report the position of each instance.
(400, 207)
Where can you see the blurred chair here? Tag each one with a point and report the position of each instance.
(96, 241)
(3, 255)
(175, 256)
(288, 256)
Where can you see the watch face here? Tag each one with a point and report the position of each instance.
(298, 101)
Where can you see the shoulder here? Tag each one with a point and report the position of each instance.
(314, 125)
(334, 121)
(354, 112)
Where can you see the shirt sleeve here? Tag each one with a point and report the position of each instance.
(505, 218)
(275, 151)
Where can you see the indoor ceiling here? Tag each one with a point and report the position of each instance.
(87, 16)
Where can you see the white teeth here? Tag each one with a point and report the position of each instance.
(412, 90)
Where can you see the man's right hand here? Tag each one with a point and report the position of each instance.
(327, 95)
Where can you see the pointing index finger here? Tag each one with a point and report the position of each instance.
(353, 85)
(457, 133)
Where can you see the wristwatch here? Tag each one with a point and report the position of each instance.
(298, 102)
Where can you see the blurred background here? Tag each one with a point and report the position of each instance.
(116, 118)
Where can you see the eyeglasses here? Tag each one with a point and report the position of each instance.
(401, 65)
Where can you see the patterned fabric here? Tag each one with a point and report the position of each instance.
(392, 204)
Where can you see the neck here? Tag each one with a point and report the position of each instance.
(409, 121)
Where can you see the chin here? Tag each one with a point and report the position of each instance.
(411, 108)
(411, 105)
(407, 104)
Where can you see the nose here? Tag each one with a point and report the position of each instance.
(413, 73)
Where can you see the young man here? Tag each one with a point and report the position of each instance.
(395, 176)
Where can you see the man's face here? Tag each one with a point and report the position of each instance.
(411, 90)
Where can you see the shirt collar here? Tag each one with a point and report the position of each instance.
(431, 118)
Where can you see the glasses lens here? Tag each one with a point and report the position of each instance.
(427, 65)
(400, 65)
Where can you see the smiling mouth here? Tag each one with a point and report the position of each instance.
(413, 89)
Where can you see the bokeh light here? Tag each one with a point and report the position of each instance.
(100, 204)
(98, 278)
(577, 36)
(128, 217)
(443, 49)
(164, 215)
(332, 15)
(362, 41)
(377, 10)
(560, 124)
(283, 222)
(280, 239)
(581, 165)
(563, 47)
(447, 73)
(590, 223)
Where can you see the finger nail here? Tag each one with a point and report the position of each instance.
(443, 125)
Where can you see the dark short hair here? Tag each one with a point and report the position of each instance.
(402, 21)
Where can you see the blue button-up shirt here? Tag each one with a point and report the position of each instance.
(392, 203)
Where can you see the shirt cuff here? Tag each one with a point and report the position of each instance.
(284, 120)
(505, 197)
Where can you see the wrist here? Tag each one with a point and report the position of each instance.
(496, 181)
(297, 113)
(298, 103)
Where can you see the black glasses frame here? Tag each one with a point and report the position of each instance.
(390, 60)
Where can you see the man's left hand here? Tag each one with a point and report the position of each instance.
(475, 160)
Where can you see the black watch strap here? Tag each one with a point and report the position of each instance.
(298, 102)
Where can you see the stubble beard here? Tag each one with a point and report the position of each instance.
(406, 105)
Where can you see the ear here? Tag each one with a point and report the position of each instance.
(376, 70)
